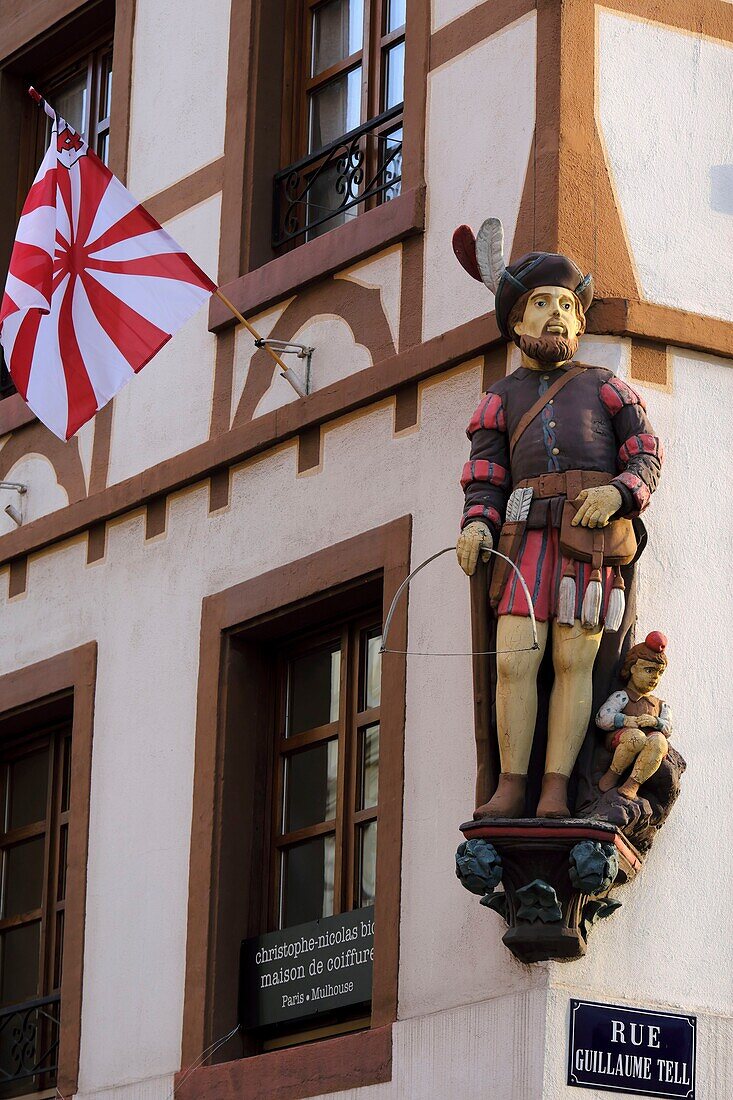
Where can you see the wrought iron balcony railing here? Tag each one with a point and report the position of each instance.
(29, 1043)
(324, 188)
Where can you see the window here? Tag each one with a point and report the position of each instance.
(327, 775)
(298, 791)
(35, 779)
(73, 70)
(342, 123)
(45, 775)
(81, 93)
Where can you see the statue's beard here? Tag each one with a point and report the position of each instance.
(549, 348)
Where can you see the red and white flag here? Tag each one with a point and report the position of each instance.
(95, 287)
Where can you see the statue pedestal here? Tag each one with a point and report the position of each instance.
(556, 876)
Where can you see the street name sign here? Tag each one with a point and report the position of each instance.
(637, 1051)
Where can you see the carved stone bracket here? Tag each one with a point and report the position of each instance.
(556, 877)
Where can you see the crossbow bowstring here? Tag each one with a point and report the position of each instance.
(467, 653)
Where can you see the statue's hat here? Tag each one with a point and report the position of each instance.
(483, 259)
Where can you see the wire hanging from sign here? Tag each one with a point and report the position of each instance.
(467, 653)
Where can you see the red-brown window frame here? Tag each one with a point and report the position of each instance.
(250, 274)
(61, 688)
(299, 85)
(302, 590)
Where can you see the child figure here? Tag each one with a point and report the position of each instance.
(639, 725)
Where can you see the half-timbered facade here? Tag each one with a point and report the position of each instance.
(199, 740)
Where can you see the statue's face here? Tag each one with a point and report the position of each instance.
(645, 675)
(550, 311)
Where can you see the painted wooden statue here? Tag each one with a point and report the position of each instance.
(637, 723)
(563, 460)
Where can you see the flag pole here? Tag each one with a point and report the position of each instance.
(287, 373)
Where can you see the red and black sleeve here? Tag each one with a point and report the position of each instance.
(640, 452)
(485, 479)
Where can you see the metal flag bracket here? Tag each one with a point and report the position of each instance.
(469, 653)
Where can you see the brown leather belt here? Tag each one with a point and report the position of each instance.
(567, 484)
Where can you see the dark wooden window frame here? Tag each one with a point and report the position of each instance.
(50, 913)
(344, 577)
(61, 688)
(250, 277)
(90, 57)
(300, 85)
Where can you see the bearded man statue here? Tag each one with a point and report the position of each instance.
(563, 459)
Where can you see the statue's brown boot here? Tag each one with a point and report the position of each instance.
(608, 781)
(554, 798)
(630, 788)
(508, 799)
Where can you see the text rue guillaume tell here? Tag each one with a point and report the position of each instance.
(639, 1066)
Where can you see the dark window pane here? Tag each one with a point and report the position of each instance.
(58, 955)
(103, 147)
(369, 768)
(335, 109)
(306, 890)
(63, 844)
(392, 164)
(367, 864)
(23, 877)
(370, 686)
(395, 14)
(310, 786)
(19, 957)
(105, 87)
(326, 194)
(66, 782)
(338, 32)
(7, 386)
(28, 777)
(70, 102)
(313, 690)
(395, 83)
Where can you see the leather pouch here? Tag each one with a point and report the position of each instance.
(510, 540)
(614, 544)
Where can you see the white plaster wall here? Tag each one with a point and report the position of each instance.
(166, 408)
(382, 272)
(665, 100)
(478, 140)
(336, 356)
(469, 1013)
(672, 913)
(44, 493)
(445, 11)
(178, 103)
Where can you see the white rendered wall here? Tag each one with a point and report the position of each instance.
(142, 603)
(178, 105)
(478, 140)
(665, 101)
(445, 11)
(166, 408)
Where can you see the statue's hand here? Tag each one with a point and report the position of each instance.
(646, 722)
(597, 506)
(475, 538)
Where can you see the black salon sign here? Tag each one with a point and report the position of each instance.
(631, 1050)
(307, 970)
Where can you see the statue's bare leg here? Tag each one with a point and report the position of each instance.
(631, 742)
(516, 711)
(647, 762)
(573, 656)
